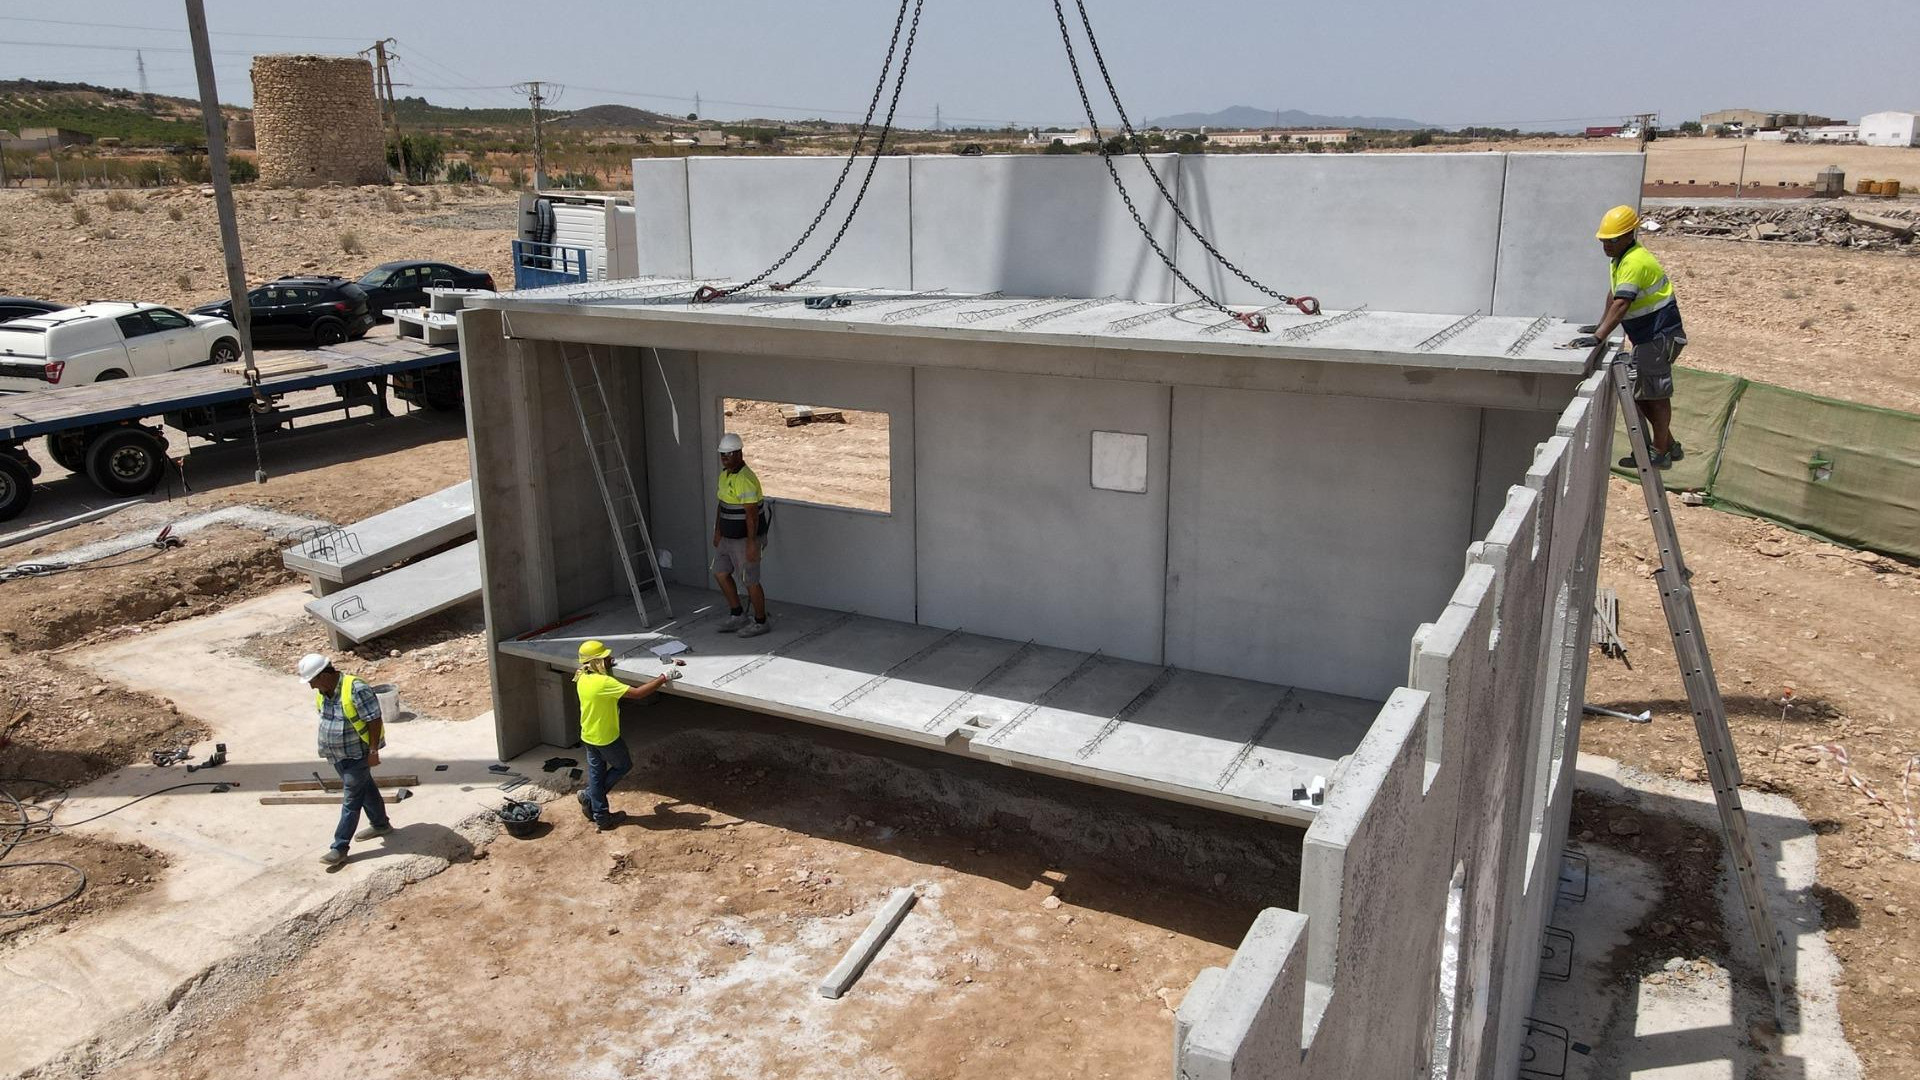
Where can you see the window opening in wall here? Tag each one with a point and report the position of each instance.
(816, 454)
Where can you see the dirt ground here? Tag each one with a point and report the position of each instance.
(843, 463)
(142, 253)
(689, 940)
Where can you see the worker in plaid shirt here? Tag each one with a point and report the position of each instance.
(351, 734)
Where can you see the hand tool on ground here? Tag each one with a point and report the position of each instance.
(1631, 718)
(218, 757)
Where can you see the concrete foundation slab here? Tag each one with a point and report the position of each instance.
(404, 596)
(1207, 740)
(358, 551)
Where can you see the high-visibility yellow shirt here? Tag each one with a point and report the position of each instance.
(737, 490)
(599, 707)
(1652, 311)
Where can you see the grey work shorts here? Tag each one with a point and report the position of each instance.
(731, 556)
(1650, 367)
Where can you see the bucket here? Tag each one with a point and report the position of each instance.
(389, 697)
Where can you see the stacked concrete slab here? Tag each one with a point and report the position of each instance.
(1294, 514)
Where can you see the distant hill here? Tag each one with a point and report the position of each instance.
(1246, 116)
(615, 116)
(100, 111)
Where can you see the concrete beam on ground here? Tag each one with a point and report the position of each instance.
(356, 552)
(401, 597)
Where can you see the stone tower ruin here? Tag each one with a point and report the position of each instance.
(316, 121)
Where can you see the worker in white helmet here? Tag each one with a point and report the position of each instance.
(739, 536)
(351, 735)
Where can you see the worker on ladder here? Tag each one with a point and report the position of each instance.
(739, 531)
(1641, 299)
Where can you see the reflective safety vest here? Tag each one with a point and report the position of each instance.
(1638, 278)
(346, 706)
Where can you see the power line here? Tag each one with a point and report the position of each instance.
(121, 48)
(172, 29)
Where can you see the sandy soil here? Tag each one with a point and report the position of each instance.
(688, 943)
(1845, 324)
(839, 464)
(142, 253)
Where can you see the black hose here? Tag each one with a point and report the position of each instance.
(30, 820)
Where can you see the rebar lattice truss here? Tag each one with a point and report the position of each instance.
(1458, 327)
(1295, 333)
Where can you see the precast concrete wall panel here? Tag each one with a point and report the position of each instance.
(1550, 263)
(1040, 225)
(680, 507)
(1395, 232)
(1014, 539)
(663, 237)
(746, 212)
(1507, 441)
(1311, 535)
(827, 556)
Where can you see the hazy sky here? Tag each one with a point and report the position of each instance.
(1491, 62)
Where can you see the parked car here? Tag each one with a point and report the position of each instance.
(318, 310)
(109, 340)
(405, 284)
(15, 307)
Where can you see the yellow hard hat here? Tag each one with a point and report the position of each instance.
(594, 650)
(1619, 221)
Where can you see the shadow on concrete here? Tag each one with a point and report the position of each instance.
(1805, 710)
(1622, 1003)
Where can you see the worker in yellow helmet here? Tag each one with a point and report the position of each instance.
(1641, 300)
(607, 757)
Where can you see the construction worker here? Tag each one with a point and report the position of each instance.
(351, 735)
(1641, 299)
(739, 525)
(607, 757)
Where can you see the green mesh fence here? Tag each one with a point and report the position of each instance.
(1846, 472)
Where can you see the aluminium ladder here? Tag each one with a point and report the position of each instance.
(1703, 697)
(614, 476)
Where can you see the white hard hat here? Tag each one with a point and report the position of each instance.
(311, 665)
(730, 443)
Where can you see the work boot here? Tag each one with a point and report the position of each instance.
(332, 855)
(586, 806)
(754, 629)
(1676, 451)
(604, 823)
(733, 622)
(372, 831)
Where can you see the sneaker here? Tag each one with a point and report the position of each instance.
(1660, 461)
(1626, 462)
(1663, 461)
(754, 629)
(586, 807)
(332, 855)
(1676, 451)
(372, 831)
(733, 622)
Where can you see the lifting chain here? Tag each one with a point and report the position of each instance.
(707, 293)
(1253, 320)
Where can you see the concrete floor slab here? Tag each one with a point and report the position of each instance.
(399, 597)
(240, 870)
(1204, 739)
(360, 550)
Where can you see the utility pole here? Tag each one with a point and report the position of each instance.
(696, 104)
(146, 95)
(936, 117)
(383, 86)
(216, 126)
(537, 96)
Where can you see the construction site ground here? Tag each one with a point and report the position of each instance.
(593, 937)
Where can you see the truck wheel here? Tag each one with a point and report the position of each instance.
(126, 461)
(16, 487)
(329, 332)
(110, 374)
(67, 451)
(225, 351)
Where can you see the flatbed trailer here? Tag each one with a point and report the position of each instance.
(111, 431)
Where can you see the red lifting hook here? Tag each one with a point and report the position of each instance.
(1254, 320)
(1307, 305)
(707, 294)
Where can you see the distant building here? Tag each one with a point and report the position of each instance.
(1279, 136)
(1077, 137)
(1890, 129)
(1837, 133)
(45, 138)
(1747, 121)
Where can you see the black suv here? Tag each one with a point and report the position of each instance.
(405, 284)
(308, 310)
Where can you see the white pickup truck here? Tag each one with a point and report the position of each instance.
(108, 340)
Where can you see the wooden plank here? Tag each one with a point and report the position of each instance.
(868, 944)
(309, 800)
(408, 780)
